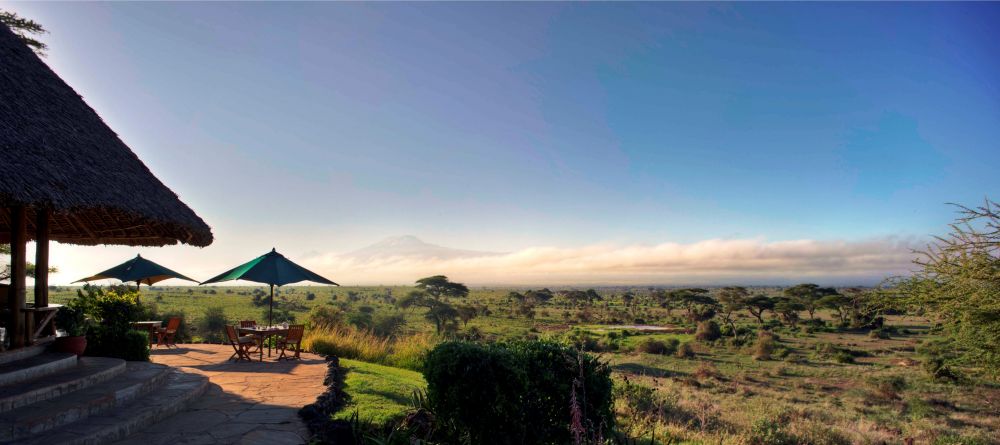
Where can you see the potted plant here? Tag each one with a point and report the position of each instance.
(73, 321)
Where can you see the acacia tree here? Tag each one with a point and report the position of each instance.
(696, 302)
(959, 283)
(757, 305)
(439, 286)
(731, 300)
(809, 296)
(438, 312)
(788, 309)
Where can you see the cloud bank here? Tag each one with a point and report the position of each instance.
(714, 261)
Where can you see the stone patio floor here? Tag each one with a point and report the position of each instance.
(246, 403)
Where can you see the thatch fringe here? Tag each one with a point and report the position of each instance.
(57, 153)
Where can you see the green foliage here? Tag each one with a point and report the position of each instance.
(24, 28)
(439, 286)
(770, 431)
(325, 317)
(651, 346)
(958, 283)
(388, 325)
(104, 341)
(708, 331)
(73, 320)
(518, 392)
(213, 324)
(765, 345)
(685, 351)
(757, 305)
(115, 308)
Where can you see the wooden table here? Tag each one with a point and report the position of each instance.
(152, 326)
(263, 332)
(37, 319)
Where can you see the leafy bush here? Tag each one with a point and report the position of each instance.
(213, 324)
(650, 346)
(388, 325)
(708, 331)
(325, 317)
(685, 351)
(770, 431)
(116, 309)
(885, 388)
(72, 320)
(518, 392)
(764, 346)
(106, 342)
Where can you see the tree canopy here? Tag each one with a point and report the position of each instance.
(439, 286)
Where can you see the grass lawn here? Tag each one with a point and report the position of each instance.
(378, 393)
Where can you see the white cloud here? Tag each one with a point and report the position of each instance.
(714, 261)
(749, 261)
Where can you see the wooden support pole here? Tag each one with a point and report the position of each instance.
(42, 258)
(18, 276)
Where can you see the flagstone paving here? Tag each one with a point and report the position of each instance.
(246, 403)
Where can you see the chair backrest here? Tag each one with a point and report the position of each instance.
(248, 323)
(295, 333)
(231, 333)
(174, 323)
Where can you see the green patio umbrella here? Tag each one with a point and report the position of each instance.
(271, 268)
(139, 270)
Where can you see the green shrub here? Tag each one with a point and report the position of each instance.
(886, 387)
(325, 317)
(650, 346)
(685, 351)
(770, 431)
(708, 331)
(116, 309)
(764, 346)
(388, 325)
(517, 393)
(72, 320)
(212, 327)
(880, 333)
(105, 342)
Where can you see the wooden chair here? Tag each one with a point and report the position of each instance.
(252, 324)
(165, 336)
(241, 344)
(292, 340)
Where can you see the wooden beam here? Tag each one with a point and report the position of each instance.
(42, 258)
(18, 276)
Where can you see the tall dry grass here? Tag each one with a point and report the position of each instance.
(347, 342)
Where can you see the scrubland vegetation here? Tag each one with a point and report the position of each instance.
(915, 358)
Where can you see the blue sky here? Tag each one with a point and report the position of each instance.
(323, 127)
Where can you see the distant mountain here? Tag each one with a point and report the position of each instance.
(409, 246)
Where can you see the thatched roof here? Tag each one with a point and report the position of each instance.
(57, 153)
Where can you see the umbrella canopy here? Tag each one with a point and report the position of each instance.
(271, 268)
(138, 270)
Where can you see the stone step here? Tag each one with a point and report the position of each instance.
(21, 354)
(89, 371)
(178, 391)
(35, 366)
(139, 379)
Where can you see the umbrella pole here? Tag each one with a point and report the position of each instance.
(270, 307)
